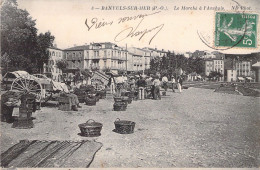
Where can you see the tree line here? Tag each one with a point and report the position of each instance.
(171, 63)
(22, 48)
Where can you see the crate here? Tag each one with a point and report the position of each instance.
(64, 99)
(25, 113)
(65, 107)
(65, 103)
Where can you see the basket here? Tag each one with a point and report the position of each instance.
(120, 106)
(90, 101)
(125, 99)
(129, 100)
(124, 126)
(90, 129)
(118, 99)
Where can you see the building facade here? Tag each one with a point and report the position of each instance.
(243, 68)
(50, 68)
(214, 65)
(231, 75)
(99, 56)
(75, 58)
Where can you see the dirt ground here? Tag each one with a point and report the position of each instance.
(197, 128)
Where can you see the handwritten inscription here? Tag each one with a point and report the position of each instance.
(134, 32)
(130, 31)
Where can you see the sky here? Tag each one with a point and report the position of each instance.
(173, 25)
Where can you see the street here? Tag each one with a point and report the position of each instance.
(196, 128)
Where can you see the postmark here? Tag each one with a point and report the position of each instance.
(236, 30)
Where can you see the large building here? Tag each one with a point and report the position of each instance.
(75, 57)
(214, 65)
(243, 68)
(100, 56)
(50, 68)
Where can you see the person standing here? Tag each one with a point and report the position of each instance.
(173, 83)
(179, 83)
(156, 90)
(112, 85)
(165, 81)
(141, 85)
(132, 83)
(119, 85)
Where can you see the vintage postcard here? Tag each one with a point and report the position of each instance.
(130, 84)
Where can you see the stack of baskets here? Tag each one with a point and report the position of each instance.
(90, 128)
(26, 108)
(120, 104)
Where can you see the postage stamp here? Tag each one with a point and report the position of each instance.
(236, 30)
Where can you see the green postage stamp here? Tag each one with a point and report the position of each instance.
(236, 30)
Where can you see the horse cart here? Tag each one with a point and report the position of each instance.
(38, 84)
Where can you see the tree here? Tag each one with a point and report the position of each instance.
(62, 64)
(44, 41)
(215, 75)
(155, 64)
(19, 39)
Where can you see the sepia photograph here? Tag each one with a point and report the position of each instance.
(130, 84)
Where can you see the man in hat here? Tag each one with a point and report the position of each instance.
(156, 90)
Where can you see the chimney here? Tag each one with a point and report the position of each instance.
(75, 45)
(55, 45)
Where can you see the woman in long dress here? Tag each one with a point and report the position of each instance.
(179, 83)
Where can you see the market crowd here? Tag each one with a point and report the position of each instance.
(144, 86)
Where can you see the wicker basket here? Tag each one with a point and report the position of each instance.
(90, 129)
(124, 126)
(130, 100)
(90, 101)
(120, 106)
(118, 99)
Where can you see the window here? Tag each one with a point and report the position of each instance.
(53, 53)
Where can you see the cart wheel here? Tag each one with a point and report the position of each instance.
(28, 85)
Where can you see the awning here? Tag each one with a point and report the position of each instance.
(240, 78)
(249, 78)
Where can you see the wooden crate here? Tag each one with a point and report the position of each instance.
(65, 103)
